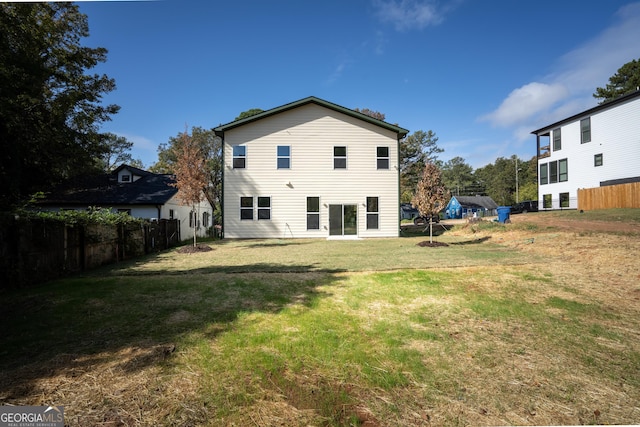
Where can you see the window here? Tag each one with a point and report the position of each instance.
(193, 220)
(313, 213)
(205, 219)
(340, 157)
(544, 177)
(557, 140)
(284, 156)
(546, 201)
(597, 160)
(585, 130)
(563, 173)
(564, 200)
(246, 207)
(126, 178)
(553, 172)
(264, 208)
(372, 213)
(239, 157)
(171, 213)
(382, 154)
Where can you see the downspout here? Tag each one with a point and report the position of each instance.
(399, 187)
(223, 166)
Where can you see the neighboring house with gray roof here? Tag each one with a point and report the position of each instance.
(140, 193)
(466, 206)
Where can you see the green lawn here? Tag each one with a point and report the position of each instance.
(316, 332)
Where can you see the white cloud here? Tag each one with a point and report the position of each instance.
(568, 88)
(407, 15)
(524, 102)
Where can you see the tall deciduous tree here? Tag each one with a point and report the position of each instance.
(431, 194)
(211, 148)
(50, 107)
(414, 151)
(626, 80)
(191, 176)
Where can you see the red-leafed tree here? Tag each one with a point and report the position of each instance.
(431, 194)
(191, 176)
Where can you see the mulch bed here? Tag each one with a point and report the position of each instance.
(427, 244)
(190, 249)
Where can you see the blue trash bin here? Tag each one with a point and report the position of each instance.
(503, 214)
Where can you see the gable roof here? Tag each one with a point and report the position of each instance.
(105, 190)
(219, 131)
(600, 107)
(484, 202)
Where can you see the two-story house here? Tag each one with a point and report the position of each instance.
(310, 168)
(597, 147)
(140, 193)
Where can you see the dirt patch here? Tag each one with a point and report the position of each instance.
(578, 225)
(427, 244)
(190, 249)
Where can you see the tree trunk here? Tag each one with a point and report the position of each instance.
(195, 224)
(430, 229)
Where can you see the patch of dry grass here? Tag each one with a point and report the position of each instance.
(551, 339)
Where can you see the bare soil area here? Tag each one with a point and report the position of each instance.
(576, 225)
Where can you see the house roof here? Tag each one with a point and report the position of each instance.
(105, 190)
(485, 202)
(310, 100)
(600, 107)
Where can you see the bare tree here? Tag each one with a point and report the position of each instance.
(431, 194)
(191, 176)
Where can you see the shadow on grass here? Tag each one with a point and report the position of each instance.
(410, 230)
(74, 324)
(471, 242)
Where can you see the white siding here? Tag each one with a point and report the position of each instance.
(311, 131)
(181, 213)
(615, 133)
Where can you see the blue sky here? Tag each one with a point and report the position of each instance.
(482, 74)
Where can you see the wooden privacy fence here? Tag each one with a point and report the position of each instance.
(34, 251)
(609, 197)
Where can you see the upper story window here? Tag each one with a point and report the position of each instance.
(544, 174)
(585, 130)
(557, 140)
(239, 157)
(339, 157)
(563, 172)
(125, 178)
(284, 156)
(597, 160)
(382, 156)
(553, 172)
